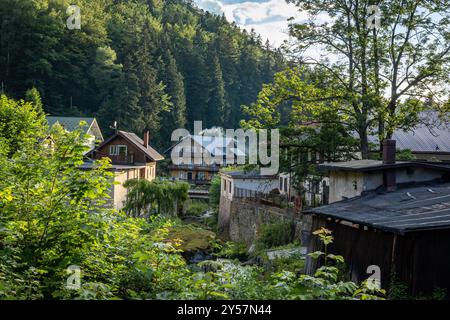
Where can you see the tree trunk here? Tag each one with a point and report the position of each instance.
(364, 144)
(381, 128)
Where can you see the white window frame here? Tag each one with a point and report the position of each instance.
(114, 150)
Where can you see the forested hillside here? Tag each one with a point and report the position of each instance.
(149, 64)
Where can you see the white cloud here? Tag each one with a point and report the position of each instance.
(268, 18)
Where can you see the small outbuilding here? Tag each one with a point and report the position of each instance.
(389, 217)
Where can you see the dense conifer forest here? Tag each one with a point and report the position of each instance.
(148, 64)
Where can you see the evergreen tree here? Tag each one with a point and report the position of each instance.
(216, 112)
(174, 81)
(131, 61)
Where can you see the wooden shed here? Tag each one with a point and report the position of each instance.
(406, 233)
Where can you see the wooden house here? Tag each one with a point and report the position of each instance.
(72, 123)
(131, 158)
(195, 170)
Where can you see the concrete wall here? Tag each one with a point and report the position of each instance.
(352, 184)
(432, 156)
(118, 192)
(345, 185)
(223, 224)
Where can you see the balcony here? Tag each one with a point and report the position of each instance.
(195, 167)
(198, 182)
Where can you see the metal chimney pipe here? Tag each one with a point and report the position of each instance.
(389, 151)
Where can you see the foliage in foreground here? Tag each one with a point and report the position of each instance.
(275, 234)
(53, 216)
(158, 196)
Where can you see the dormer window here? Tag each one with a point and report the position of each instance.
(117, 150)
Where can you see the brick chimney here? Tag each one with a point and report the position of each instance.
(389, 175)
(146, 138)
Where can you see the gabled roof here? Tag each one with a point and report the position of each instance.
(415, 208)
(149, 151)
(136, 141)
(215, 145)
(73, 123)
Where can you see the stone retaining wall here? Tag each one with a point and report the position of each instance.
(240, 220)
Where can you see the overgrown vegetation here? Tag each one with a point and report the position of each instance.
(197, 208)
(214, 191)
(155, 197)
(275, 234)
(53, 216)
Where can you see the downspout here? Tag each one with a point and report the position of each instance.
(393, 252)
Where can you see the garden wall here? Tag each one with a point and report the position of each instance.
(241, 219)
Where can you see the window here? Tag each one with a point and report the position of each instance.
(201, 175)
(316, 187)
(285, 184)
(224, 185)
(118, 150)
(281, 183)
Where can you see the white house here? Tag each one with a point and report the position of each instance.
(72, 123)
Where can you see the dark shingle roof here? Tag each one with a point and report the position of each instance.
(409, 209)
(138, 142)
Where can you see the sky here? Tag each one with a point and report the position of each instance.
(267, 17)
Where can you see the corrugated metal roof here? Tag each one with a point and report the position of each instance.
(430, 137)
(409, 209)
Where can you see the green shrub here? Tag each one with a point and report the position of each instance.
(197, 208)
(275, 234)
(211, 221)
(292, 264)
(233, 250)
(214, 191)
(405, 155)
